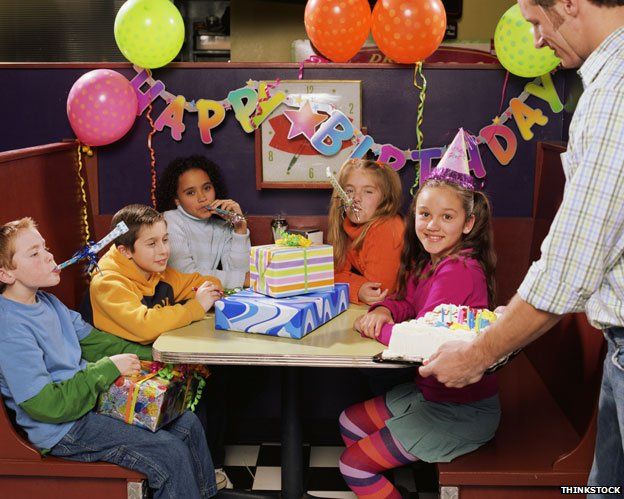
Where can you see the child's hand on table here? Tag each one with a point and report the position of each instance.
(370, 324)
(207, 294)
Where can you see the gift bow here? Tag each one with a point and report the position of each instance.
(180, 371)
(293, 240)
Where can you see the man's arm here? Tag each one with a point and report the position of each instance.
(457, 363)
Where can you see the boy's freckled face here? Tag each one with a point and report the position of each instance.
(151, 249)
(34, 264)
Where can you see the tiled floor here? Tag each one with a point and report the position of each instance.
(257, 467)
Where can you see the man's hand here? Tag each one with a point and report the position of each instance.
(370, 324)
(455, 364)
(370, 293)
(459, 363)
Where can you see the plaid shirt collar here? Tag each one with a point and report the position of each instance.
(608, 49)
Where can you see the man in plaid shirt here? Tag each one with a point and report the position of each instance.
(582, 263)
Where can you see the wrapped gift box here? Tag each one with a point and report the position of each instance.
(292, 317)
(147, 400)
(281, 271)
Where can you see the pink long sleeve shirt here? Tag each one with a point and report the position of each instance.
(458, 280)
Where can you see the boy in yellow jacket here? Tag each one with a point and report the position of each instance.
(136, 296)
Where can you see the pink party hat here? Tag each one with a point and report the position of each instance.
(453, 167)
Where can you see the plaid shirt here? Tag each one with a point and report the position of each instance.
(582, 261)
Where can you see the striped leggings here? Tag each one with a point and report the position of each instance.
(371, 449)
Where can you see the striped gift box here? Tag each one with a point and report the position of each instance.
(281, 271)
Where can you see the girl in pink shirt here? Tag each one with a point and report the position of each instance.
(448, 257)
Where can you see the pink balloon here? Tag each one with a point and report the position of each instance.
(101, 107)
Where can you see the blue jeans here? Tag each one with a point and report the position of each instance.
(608, 466)
(175, 459)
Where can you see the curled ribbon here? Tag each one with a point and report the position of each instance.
(422, 94)
(178, 372)
(316, 59)
(258, 111)
(152, 154)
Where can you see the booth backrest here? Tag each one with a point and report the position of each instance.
(41, 182)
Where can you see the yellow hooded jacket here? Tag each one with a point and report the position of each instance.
(123, 302)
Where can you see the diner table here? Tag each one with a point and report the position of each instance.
(334, 344)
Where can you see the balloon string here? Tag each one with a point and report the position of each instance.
(152, 155)
(422, 88)
(83, 195)
(504, 93)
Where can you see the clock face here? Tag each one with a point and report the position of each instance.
(287, 162)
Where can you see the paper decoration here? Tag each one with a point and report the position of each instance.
(210, 114)
(304, 121)
(172, 117)
(336, 130)
(526, 117)
(328, 130)
(546, 91)
(503, 154)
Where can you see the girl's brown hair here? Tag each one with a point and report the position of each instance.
(388, 182)
(480, 240)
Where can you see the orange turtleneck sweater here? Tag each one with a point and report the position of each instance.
(377, 260)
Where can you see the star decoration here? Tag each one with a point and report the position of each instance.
(250, 83)
(304, 121)
(496, 120)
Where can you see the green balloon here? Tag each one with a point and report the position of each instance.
(513, 40)
(149, 33)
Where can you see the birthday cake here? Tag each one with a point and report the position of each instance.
(418, 339)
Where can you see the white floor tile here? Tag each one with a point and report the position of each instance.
(241, 455)
(268, 478)
(325, 457)
(331, 493)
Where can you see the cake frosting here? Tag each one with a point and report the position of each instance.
(420, 338)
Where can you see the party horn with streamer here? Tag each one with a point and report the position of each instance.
(91, 250)
(232, 217)
(347, 202)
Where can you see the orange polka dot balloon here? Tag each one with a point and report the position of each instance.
(338, 28)
(408, 31)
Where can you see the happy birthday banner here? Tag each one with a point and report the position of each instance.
(327, 128)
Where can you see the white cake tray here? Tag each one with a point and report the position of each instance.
(383, 357)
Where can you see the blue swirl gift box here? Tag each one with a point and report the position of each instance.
(291, 317)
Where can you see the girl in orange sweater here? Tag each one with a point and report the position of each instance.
(367, 241)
